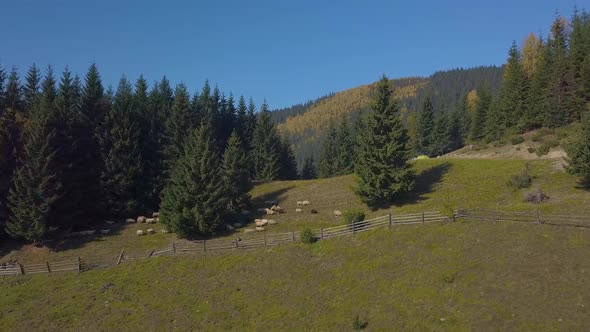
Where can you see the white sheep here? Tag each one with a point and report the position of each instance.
(337, 213)
(304, 203)
(141, 219)
(298, 210)
(151, 231)
(270, 212)
(261, 222)
(260, 229)
(272, 222)
(156, 215)
(249, 230)
(130, 221)
(150, 220)
(139, 232)
(164, 231)
(299, 203)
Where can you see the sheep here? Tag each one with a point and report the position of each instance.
(270, 212)
(105, 231)
(151, 231)
(272, 222)
(139, 232)
(304, 203)
(337, 213)
(249, 230)
(156, 215)
(299, 203)
(298, 210)
(109, 222)
(314, 211)
(164, 231)
(260, 229)
(141, 219)
(150, 220)
(130, 221)
(261, 222)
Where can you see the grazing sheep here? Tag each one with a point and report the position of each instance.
(164, 231)
(270, 212)
(237, 225)
(130, 221)
(229, 227)
(141, 219)
(298, 210)
(109, 222)
(337, 213)
(249, 230)
(304, 203)
(261, 222)
(156, 215)
(150, 220)
(105, 231)
(139, 232)
(272, 222)
(313, 211)
(151, 231)
(260, 229)
(299, 203)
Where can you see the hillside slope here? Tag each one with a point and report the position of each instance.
(305, 124)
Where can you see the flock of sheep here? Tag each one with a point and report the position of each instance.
(144, 220)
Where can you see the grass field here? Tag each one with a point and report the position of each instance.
(448, 276)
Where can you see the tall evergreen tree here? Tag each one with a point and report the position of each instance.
(13, 95)
(513, 93)
(194, 201)
(383, 151)
(579, 153)
(560, 82)
(10, 141)
(119, 139)
(266, 147)
(308, 170)
(2, 89)
(236, 174)
(579, 49)
(345, 145)
(328, 163)
(37, 185)
(31, 88)
(228, 120)
(478, 122)
(287, 161)
(441, 137)
(425, 127)
(242, 121)
(538, 103)
(178, 126)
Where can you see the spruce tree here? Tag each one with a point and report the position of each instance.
(31, 88)
(383, 152)
(242, 121)
(441, 139)
(194, 201)
(37, 184)
(178, 126)
(579, 49)
(308, 171)
(538, 103)
(120, 150)
(513, 93)
(2, 87)
(560, 82)
(425, 130)
(287, 161)
(236, 174)
(266, 147)
(579, 154)
(228, 120)
(345, 146)
(13, 95)
(328, 164)
(10, 141)
(478, 122)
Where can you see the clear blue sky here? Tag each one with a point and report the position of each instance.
(284, 51)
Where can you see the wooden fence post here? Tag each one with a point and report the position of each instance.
(204, 245)
(538, 215)
(79, 265)
(151, 253)
(22, 269)
(293, 236)
(390, 220)
(353, 227)
(236, 240)
(321, 233)
(494, 216)
(173, 248)
(423, 219)
(264, 241)
(48, 268)
(120, 256)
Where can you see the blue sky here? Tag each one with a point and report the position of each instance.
(284, 51)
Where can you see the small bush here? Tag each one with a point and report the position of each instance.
(307, 236)
(530, 149)
(542, 150)
(514, 140)
(541, 133)
(450, 277)
(353, 216)
(521, 180)
(536, 196)
(359, 324)
(497, 144)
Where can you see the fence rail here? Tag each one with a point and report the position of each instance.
(274, 239)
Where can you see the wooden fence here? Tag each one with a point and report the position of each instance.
(47, 267)
(245, 242)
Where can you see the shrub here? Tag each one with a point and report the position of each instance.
(359, 324)
(530, 149)
(514, 140)
(353, 216)
(538, 136)
(542, 150)
(536, 196)
(521, 180)
(307, 236)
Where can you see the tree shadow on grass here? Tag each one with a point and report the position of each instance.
(425, 184)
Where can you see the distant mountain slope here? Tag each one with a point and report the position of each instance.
(305, 124)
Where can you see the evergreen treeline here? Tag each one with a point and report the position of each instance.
(73, 154)
(546, 83)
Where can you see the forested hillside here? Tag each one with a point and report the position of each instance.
(306, 124)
